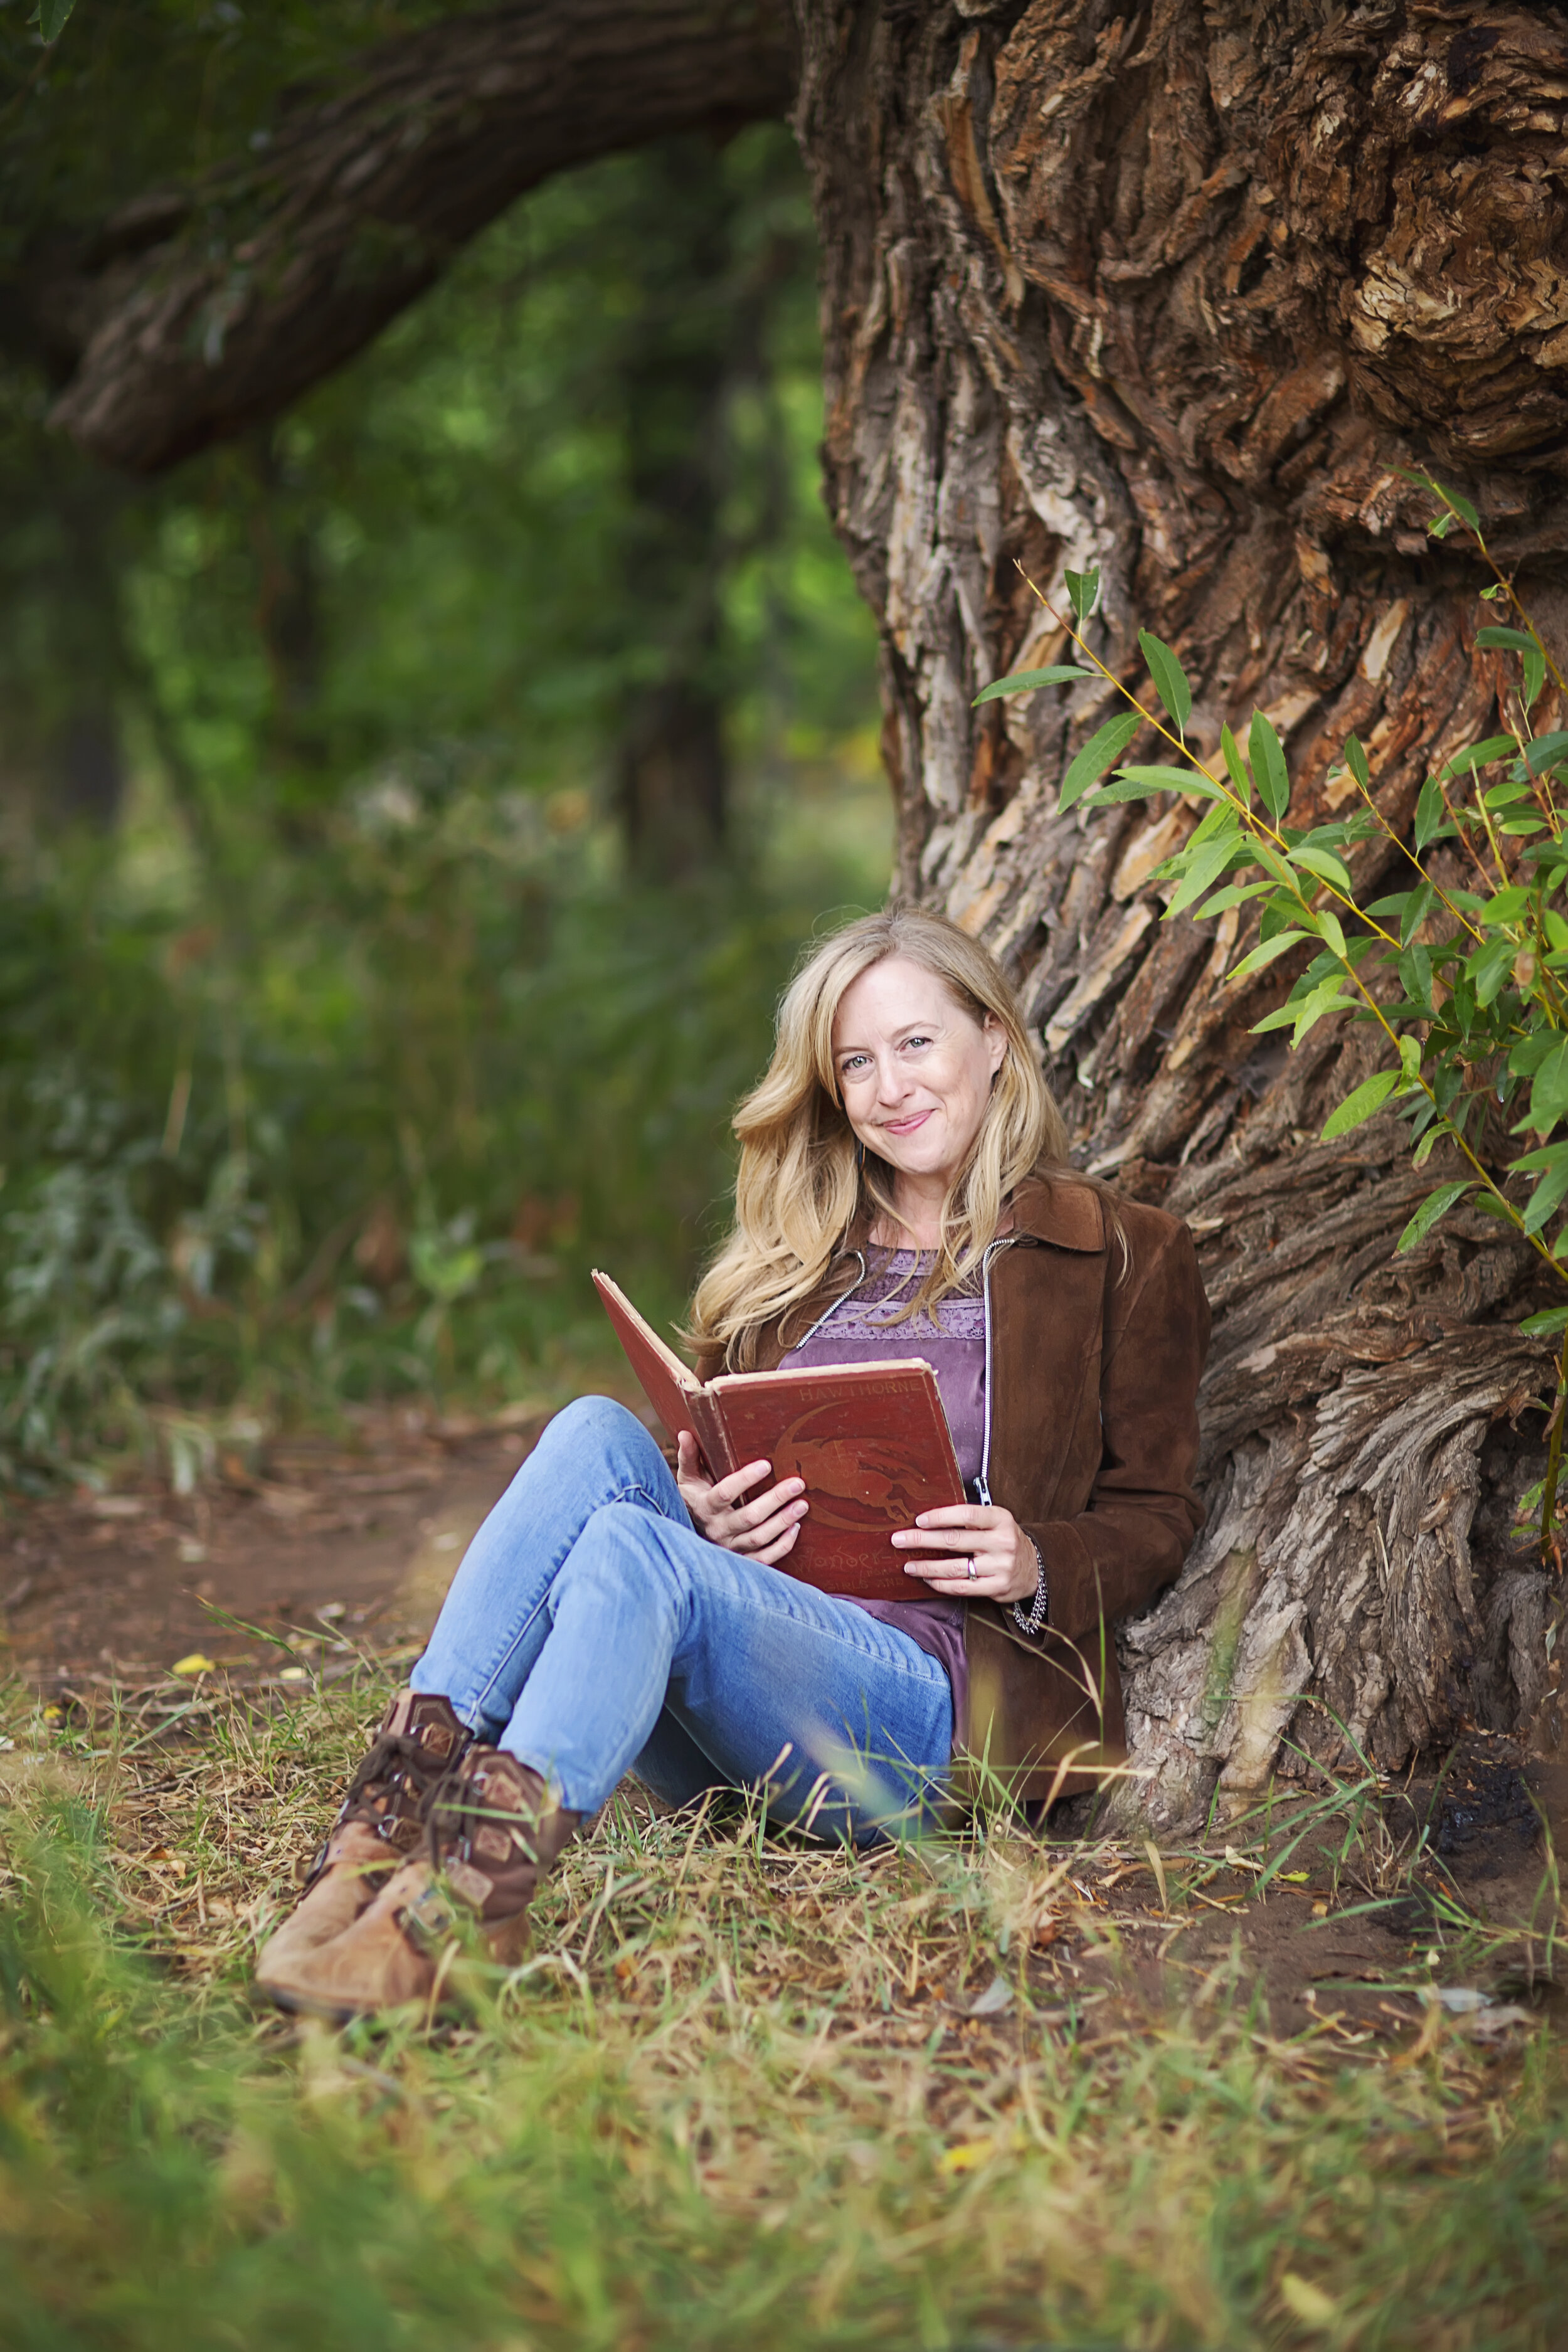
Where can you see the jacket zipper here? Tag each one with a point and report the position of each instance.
(982, 1483)
(833, 1307)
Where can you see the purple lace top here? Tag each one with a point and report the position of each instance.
(858, 1331)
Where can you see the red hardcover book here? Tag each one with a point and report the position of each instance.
(872, 1442)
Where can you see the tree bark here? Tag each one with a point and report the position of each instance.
(196, 314)
(1174, 292)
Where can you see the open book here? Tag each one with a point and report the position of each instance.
(872, 1442)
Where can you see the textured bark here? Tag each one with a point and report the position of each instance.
(1175, 290)
(196, 313)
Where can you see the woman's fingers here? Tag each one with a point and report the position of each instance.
(752, 1535)
(788, 1496)
(777, 1552)
(977, 1540)
(729, 1491)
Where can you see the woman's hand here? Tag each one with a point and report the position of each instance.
(763, 1529)
(1006, 1566)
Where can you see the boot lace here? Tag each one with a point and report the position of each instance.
(394, 1759)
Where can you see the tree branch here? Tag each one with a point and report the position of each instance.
(198, 313)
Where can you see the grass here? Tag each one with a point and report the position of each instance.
(738, 2096)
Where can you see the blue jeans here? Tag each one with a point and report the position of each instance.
(590, 1630)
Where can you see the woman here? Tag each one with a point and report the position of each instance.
(902, 1187)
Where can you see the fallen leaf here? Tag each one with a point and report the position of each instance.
(966, 2156)
(997, 1997)
(1306, 2302)
(194, 1665)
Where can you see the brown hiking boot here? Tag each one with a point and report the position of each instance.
(492, 1831)
(380, 1825)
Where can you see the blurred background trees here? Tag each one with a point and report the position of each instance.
(408, 813)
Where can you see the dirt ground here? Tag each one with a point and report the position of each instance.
(334, 1548)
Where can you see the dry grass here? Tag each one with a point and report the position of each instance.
(746, 2091)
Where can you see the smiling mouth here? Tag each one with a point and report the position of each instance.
(905, 1126)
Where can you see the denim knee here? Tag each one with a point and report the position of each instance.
(619, 1551)
(596, 1424)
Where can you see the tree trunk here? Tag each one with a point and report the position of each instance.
(1174, 292)
(679, 361)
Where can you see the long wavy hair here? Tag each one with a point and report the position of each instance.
(803, 1186)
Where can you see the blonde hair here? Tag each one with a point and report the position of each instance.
(801, 1186)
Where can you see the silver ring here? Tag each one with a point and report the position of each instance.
(973, 1570)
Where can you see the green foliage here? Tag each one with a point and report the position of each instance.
(346, 1036)
(370, 1140)
(1466, 980)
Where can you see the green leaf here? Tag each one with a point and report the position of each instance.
(1549, 1093)
(1237, 764)
(1235, 894)
(1415, 975)
(1097, 755)
(1546, 1199)
(1553, 1163)
(1267, 756)
(1024, 681)
(1514, 639)
(1430, 814)
(1218, 817)
(1332, 936)
(1461, 506)
(1418, 905)
(1123, 791)
(1083, 587)
(1326, 998)
(1173, 779)
(1436, 1204)
(1210, 861)
(1481, 755)
(1489, 967)
(1533, 659)
(1526, 1056)
(1356, 760)
(1323, 863)
(1358, 1107)
(1169, 679)
(1544, 749)
(51, 17)
(1257, 957)
(1551, 1319)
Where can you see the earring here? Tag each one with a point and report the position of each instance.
(860, 1156)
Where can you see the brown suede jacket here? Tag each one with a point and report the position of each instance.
(1095, 1358)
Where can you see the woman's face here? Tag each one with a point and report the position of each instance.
(914, 1068)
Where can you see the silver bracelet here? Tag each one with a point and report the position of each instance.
(1035, 1621)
